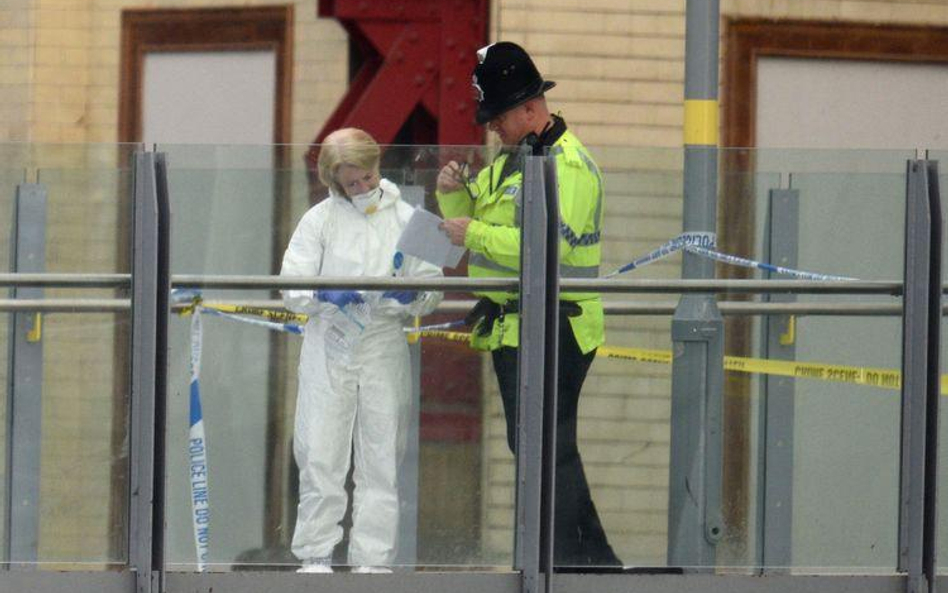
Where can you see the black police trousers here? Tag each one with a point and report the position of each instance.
(578, 537)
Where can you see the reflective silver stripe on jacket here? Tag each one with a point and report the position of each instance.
(567, 233)
(480, 260)
(566, 271)
(582, 240)
(579, 271)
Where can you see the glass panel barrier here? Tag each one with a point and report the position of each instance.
(624, 413)
(847, 437)
(743, 478)
(70, 494)
(234, 212)
(223, 201)
(624, 406)
(283, 414)
(832, 426)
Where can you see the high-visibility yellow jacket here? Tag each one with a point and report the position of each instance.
(493, 236)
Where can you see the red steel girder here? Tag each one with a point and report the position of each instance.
(462, 34)
(389, 10)
(398, 85)
(423, 54)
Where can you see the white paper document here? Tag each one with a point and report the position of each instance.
(423, 239)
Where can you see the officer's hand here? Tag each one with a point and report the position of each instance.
(340, 298)
(456, 229)
(449, 179)
(402, 296)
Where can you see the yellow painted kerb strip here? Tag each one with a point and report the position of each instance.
(701, 122)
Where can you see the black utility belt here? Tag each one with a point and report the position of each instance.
(488, 311)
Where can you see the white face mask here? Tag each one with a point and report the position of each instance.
(368, 202)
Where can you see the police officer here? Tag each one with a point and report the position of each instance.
(484, 216)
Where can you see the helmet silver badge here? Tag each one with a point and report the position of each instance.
(477, 88)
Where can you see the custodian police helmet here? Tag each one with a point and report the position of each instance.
(504, 78)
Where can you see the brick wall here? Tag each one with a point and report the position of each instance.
(15, 60)
(59, 75)
(62, 67)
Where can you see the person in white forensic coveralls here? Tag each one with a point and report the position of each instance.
(354, 383)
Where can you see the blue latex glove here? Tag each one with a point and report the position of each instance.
(340, 298)
(402, 296)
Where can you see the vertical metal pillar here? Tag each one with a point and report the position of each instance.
(160, 378)
(145, 282)
(551, 371)
(775, 440)
(921, 318)
(694, 515)
(933, 391)
(408, 471)
(532, 375)
(25, 383)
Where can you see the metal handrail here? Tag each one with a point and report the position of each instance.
(66, 305)
(56, 280)
(728, 308)
(448, 284)
(458, 284)
(734, 286)
(463, 284)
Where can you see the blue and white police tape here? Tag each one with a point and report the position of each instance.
(683, 240)
(749, 263)
(434, 327)
(290, 328)
(197, 452)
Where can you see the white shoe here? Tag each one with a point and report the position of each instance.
(316, 566)
(371, 570)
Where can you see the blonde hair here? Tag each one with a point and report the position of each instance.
(348, 146)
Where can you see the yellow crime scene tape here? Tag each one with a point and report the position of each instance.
(866, 376)
(268, 314)
(870, 377)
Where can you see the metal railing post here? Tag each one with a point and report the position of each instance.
(920, 378)
(775, 450)
(532, 377)
(24, 416)
(149, 296)
(933, 393)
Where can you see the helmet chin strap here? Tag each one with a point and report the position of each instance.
(554, 128)
(532, 138)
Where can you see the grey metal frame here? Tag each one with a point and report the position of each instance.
(438, 582)
(534, 477)
(775, 450)
(145, 287)
(920, 386)
(933, 395)
(551, 329)
(25, 384)
(851, 309)
(532, 377)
